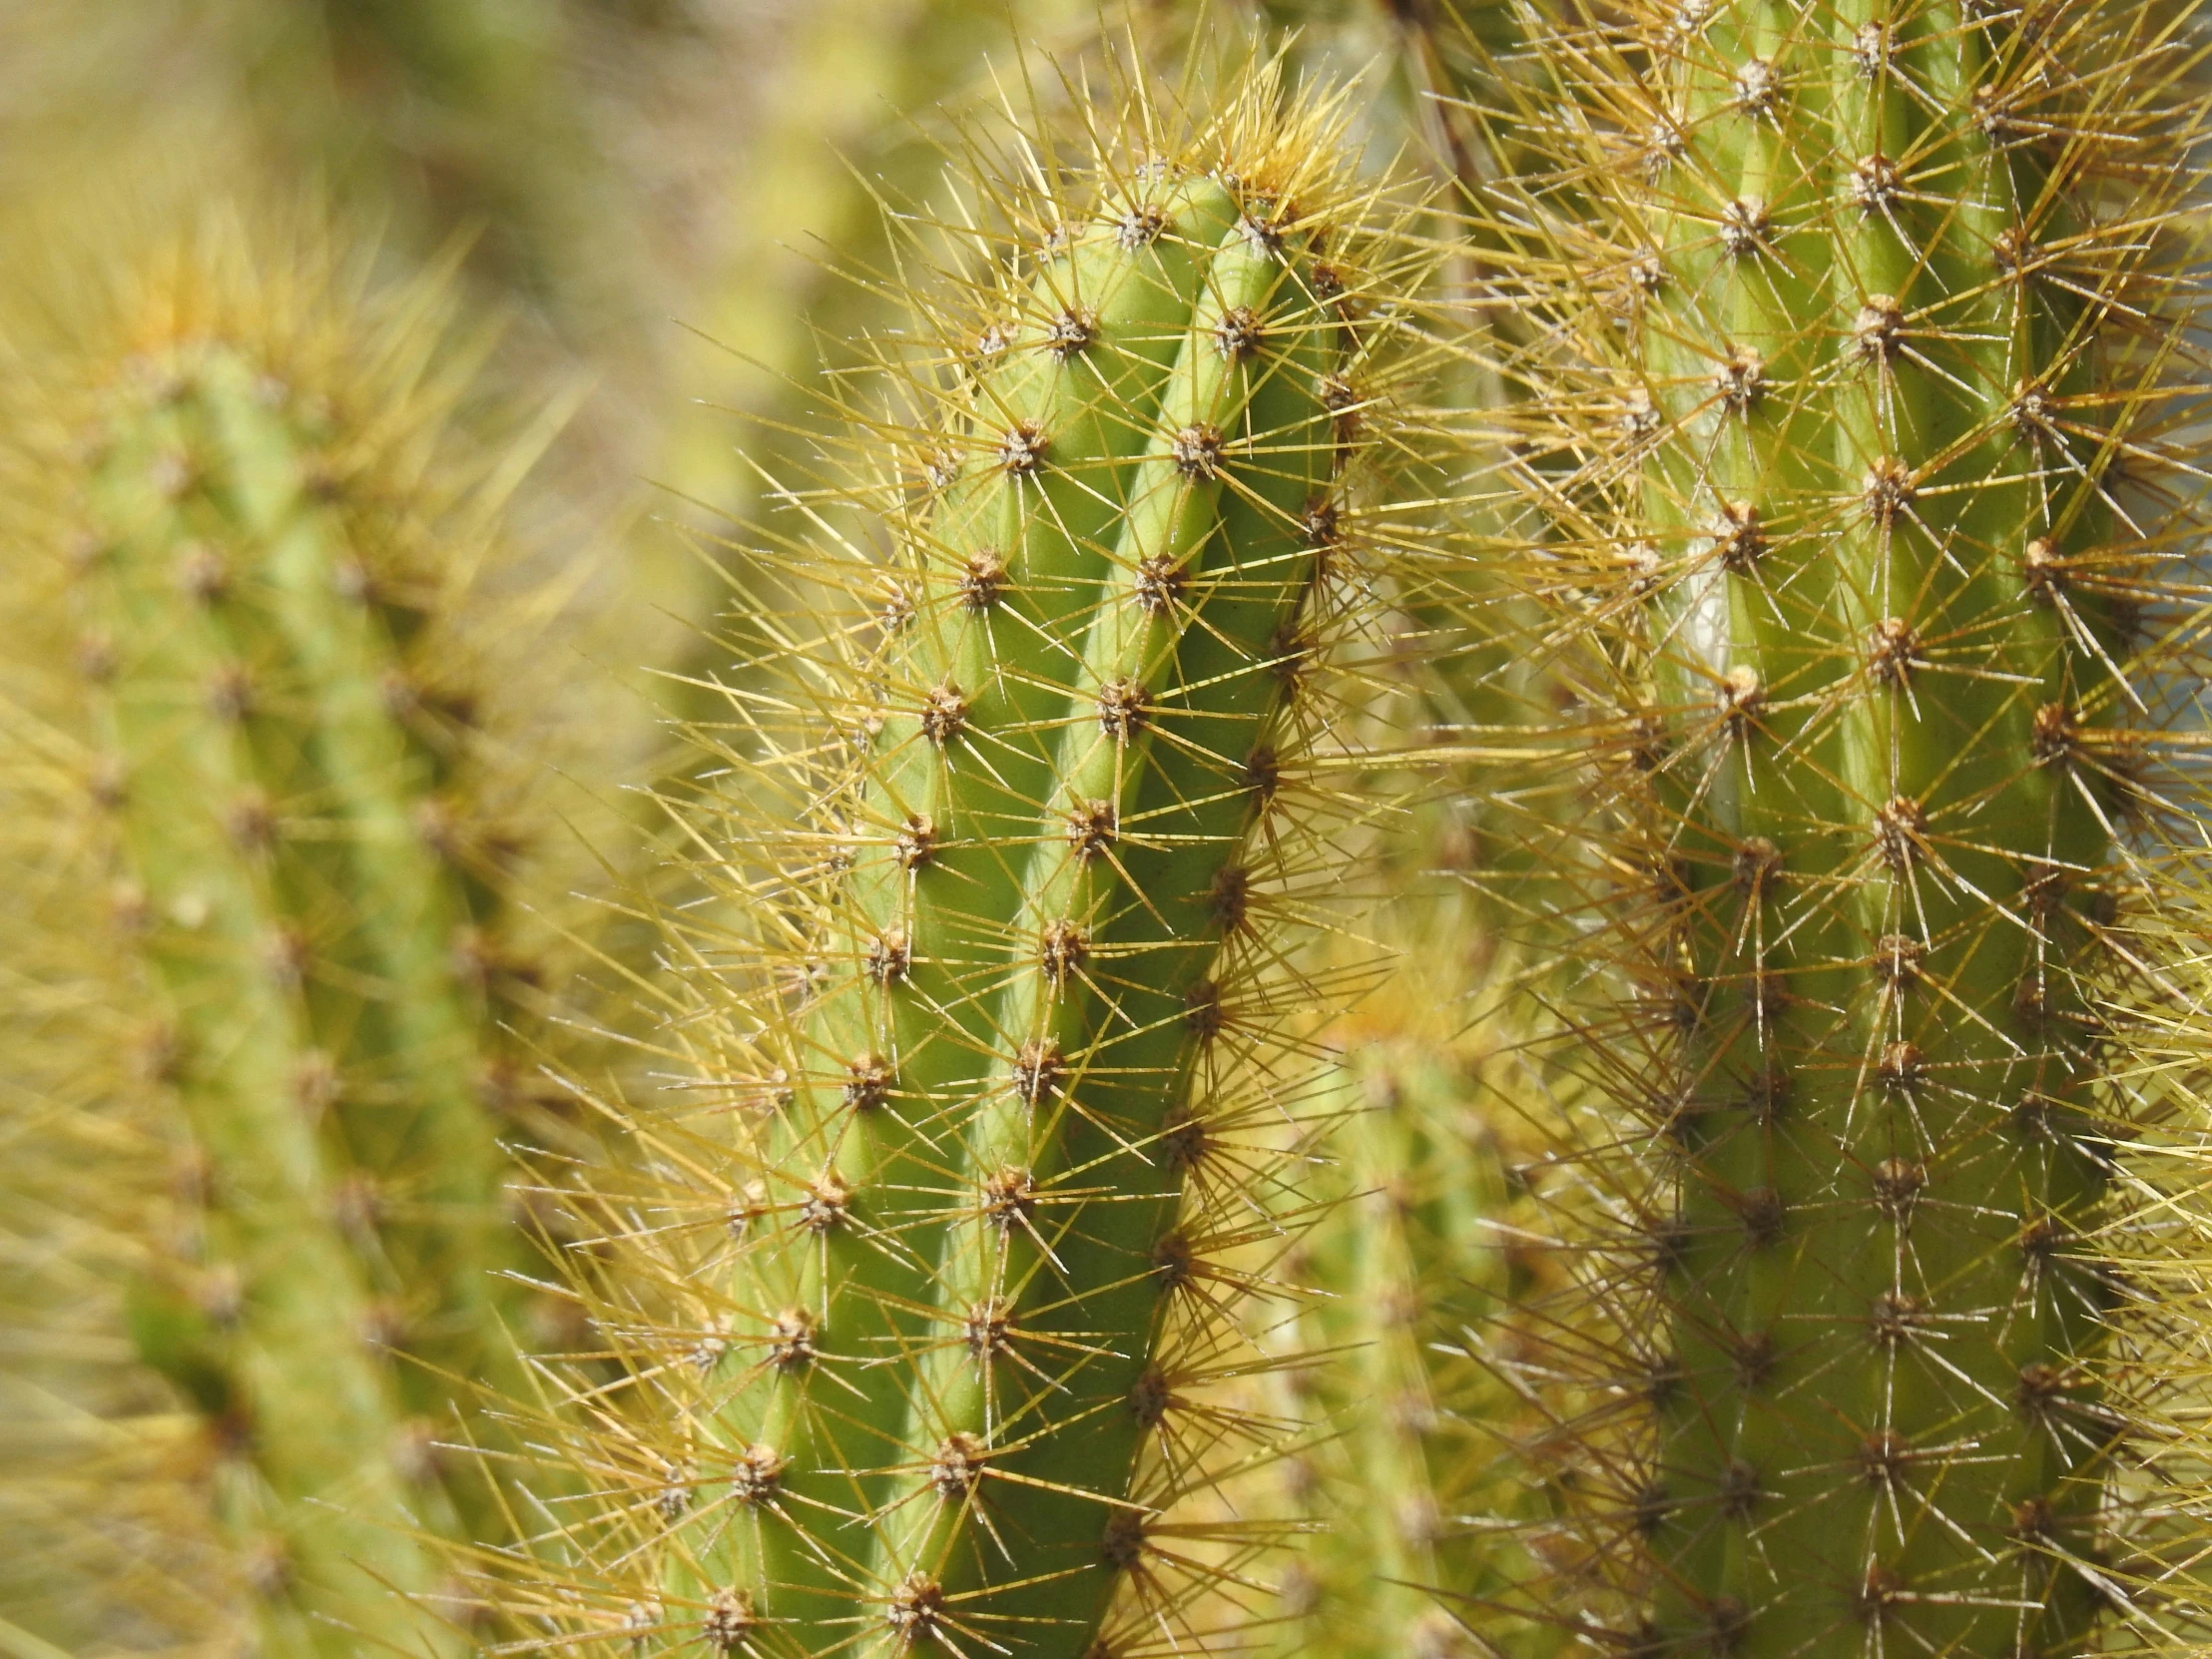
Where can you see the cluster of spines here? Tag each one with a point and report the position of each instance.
(1852, 494)
(1008, 1103)
(304, 901)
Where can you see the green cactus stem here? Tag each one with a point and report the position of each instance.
(307, 879)
(1015, 1030)
(1854, 453)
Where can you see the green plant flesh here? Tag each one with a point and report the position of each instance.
(1838, 462)
(981, 1203)
(294, 882)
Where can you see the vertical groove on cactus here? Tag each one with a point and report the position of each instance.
(269, 537)
(1855, 477)
(1005, 1092)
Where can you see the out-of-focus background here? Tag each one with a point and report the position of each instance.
(673, 205)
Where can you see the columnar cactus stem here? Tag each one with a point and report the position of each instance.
(288, 780)
(985, 1118)
(1847, 431)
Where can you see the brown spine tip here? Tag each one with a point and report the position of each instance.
(1197, 452)
(827, 1206)
(1739, 537)
(1237, 336)
(916, 1610)
(1008, 1197)
(1878, 331)
(1063, 952)
(1896, 1318)
(1202, 1013)
(1159, 584)
(944, 714)
(1757, 93)
(957, 1467)
(1745, 226)
(1897, 1184)
(1229, 897)
(867, 1083)
(1123, 708)
(756, 1475)
(1893, 652)
(916, 844)
(791, 1340)
(1070, 333)
(982, 581)
(1741, 381)
(1039, 1071)
(1888, 492)
(1876, 184)
(1899, 825)
(1021, 450)
(1740, 698)
(889, 957)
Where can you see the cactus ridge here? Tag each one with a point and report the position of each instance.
(1850, 462)
(271, 720)
(1003, 1100)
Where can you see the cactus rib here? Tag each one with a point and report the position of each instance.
(1870, 361)
(1043, 888)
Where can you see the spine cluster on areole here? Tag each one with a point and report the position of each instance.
(1012, 1094)
(1846, 477)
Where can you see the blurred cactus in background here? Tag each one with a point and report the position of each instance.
(1325, 826)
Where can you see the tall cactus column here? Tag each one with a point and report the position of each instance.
(986, 1142)
(310, 906)
(1853, 394)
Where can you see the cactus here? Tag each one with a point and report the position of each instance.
(1418, 1516)
(1003, 1081)
(1850, 470)
(269, 540)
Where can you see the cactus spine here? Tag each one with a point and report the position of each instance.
(1869, 323)
(996, 1099)
(265, 605)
